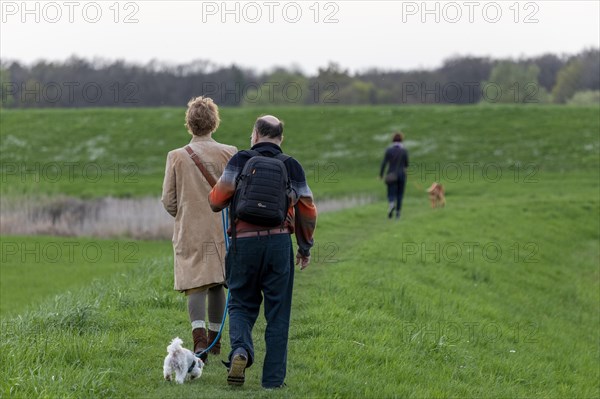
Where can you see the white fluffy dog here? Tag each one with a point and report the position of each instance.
(182, 362)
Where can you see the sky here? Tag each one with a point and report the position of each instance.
(358, 35)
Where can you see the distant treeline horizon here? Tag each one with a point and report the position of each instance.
(78, 82)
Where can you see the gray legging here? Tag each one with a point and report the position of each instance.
(216, 306)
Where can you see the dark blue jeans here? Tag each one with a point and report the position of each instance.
(260, 267)
(395, 192)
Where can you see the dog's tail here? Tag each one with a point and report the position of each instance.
(433, 187)
(175, 345)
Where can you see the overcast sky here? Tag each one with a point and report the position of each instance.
(263, 34)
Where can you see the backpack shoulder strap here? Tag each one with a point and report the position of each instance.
(252, 153)
(282, 157)
(209, 178)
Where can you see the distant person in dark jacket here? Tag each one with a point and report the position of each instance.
(396, 157)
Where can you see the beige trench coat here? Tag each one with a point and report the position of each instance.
(198, 241)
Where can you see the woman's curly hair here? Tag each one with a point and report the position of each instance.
(202, 116)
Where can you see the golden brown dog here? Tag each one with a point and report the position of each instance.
(436, 195)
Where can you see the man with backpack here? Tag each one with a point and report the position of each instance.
(269, 199)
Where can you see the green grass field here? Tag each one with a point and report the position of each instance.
(34, 268)
(498, 295)
(120, 152)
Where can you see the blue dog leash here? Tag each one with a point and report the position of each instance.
(225, 221)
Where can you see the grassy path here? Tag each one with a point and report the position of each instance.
(410, 309)
(496, 296)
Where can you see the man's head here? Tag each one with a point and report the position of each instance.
(267, 129)
(202, 116)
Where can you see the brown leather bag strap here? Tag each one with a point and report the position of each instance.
(209, 178)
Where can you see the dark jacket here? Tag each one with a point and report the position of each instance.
(397, 158)
(302, 215)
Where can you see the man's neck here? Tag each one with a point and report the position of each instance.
(268, 140)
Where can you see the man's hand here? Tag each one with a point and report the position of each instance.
(303, 261)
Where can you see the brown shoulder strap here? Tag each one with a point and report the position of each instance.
(209, 178)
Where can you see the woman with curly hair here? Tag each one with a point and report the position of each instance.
(198, 240)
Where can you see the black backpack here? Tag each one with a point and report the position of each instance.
(262, 191)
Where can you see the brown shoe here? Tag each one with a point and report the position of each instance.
(200, 342)
(216, 349)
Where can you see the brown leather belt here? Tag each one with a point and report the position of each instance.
(262, 233)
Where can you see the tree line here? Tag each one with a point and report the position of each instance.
(77, 82)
